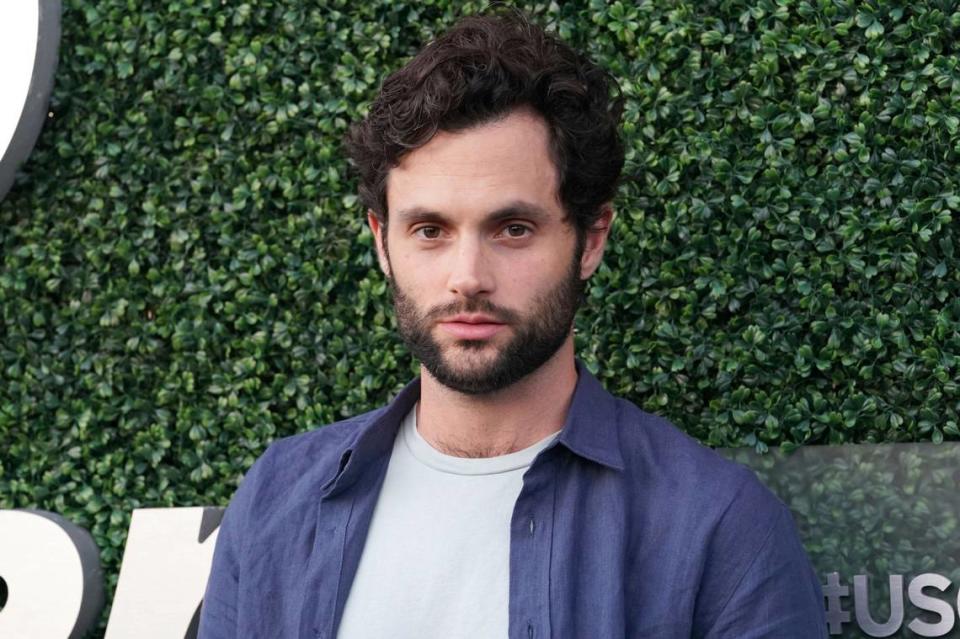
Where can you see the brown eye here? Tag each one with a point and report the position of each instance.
(516, 230)
(429, 232)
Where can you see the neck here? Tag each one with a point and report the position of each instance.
(508, 420)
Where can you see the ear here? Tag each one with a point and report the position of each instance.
(595, 241)
(379, 230)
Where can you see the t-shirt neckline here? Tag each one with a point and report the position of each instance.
(425, 453)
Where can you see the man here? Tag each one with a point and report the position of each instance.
(505, 493)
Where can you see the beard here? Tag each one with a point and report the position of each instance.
(537, 335)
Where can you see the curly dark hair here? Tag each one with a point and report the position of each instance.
(484, 67)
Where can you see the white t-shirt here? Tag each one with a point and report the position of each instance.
(436, 562)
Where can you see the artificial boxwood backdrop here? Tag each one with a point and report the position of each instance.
(185, 272)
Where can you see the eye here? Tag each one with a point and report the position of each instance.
(516, 230)
(428, 232)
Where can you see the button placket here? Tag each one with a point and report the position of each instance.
(325, 567)
(530, 553)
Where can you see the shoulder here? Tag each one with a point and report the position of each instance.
(316, 448)
(692, 476)
(713, 509)
(293, 469)
(654, 447)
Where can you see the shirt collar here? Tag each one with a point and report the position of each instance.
(590, 430)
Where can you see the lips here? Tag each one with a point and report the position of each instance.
(472, 327)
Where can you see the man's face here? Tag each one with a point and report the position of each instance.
(485, 270)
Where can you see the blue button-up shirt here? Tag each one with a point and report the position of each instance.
(625, 527)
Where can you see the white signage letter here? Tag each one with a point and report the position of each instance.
(165, 567)
(862, 607)
(930, 604)
(29, 38)
(51, 568)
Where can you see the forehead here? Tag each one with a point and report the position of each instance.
(479, 169)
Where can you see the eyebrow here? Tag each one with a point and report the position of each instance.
(526, 210)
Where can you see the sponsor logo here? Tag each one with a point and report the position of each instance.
(52, 586)
(935, 616)
(51, 583)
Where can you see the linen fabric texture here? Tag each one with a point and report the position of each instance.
(624, 527)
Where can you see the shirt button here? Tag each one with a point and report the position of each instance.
(533, 526)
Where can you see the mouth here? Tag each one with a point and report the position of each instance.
(471, 327)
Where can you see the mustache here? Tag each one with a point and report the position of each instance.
(442, 311)
(500, 314)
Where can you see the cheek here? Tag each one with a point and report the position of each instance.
(422, 281)
(535, 272)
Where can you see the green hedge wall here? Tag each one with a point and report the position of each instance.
(185, 273)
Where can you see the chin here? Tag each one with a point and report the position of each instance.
(470, 357)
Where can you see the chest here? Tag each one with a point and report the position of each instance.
(436, 555)
(549, 556)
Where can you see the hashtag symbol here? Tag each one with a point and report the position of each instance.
(836, 615)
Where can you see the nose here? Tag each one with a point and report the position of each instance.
(470, 274)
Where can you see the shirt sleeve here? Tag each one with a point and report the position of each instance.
(218, 613)
(772, 589)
